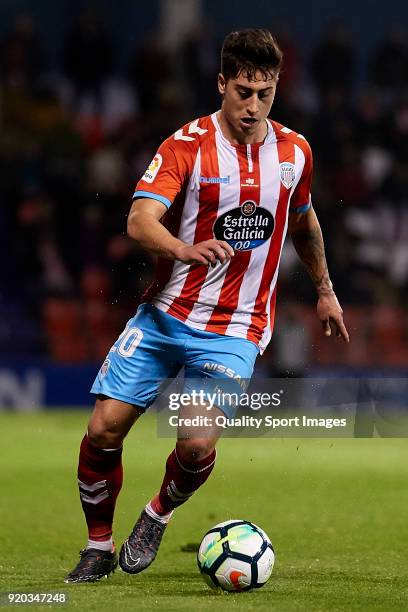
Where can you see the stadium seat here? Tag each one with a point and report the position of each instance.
(62, 316)
(66, 337)
(95, 284)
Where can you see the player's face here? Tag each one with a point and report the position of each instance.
(246, 104)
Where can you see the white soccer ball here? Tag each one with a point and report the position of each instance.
(236, 556)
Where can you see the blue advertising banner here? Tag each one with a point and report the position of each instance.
(34, 385)
(29, 386)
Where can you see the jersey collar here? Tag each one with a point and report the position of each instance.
(270, 136)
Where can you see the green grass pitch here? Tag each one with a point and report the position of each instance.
(335, 509)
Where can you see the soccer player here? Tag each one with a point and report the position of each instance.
(214, 205)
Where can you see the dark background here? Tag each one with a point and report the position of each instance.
(89, 90)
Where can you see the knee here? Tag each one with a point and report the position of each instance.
(191, 450)
(104, 435)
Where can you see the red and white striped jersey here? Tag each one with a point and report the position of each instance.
(238, 193)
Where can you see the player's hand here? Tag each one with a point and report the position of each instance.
(330, 314)
(206, 253)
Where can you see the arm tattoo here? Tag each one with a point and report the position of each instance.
(310, 248)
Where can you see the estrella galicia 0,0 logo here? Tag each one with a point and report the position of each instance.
(245, 228)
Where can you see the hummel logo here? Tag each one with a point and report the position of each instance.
(215, 179)
(97, 492)
(192, 129)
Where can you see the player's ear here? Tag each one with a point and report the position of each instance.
(221, 84)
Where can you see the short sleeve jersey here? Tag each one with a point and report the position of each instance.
(238, 193)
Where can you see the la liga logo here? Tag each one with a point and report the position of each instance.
(245, 228)
(153, 168)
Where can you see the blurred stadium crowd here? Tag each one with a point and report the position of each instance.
(75, 141)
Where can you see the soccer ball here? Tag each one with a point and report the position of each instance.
(236, 556)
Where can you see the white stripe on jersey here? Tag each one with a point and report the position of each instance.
(268, 198)
(229, 196)
(267, 334)
(299, 165)
(174, 287)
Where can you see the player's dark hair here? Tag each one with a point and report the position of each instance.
(248, 51)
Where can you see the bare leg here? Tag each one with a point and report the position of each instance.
(110, 422)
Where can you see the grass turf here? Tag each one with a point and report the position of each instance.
(335, 510)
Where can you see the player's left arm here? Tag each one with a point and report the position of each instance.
(307, 239)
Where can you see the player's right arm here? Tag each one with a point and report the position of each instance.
(144, 226)
(164, 180)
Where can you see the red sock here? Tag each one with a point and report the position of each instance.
(100, 476)
(180, 481)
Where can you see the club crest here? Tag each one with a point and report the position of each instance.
(287, 174)
(104, 369)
